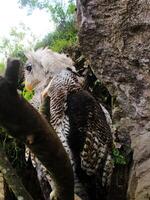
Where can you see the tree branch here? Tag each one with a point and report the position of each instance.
(25, 123)
(12, 178)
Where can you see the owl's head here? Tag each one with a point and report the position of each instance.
(43, 64)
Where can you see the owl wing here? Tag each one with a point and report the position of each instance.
(90, 135)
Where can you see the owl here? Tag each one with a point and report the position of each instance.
(79, 120)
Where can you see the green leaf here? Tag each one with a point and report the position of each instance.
(27, 94)
(118, 157)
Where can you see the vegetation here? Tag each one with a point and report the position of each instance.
(27, 94)
(20, 39)
(2, 66)
(65, 34)
(118, 157)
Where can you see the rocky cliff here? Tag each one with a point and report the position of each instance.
(114, 36)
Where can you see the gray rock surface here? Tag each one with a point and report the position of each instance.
(1, 187)
(115, 37)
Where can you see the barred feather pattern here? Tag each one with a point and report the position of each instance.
(58, 90)
(98, 145)
(98, 134)
(96, 152)
(42, 172)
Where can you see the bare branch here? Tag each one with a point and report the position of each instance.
(25, 123)
(12, 178)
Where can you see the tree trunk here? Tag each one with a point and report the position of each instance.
(114, 35)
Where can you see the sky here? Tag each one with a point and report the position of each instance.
(11, 15)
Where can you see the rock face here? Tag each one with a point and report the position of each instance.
(1, 187)
(114, 36)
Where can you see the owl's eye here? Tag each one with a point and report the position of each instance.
(29, 67)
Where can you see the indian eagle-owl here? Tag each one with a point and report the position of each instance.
(79, 120)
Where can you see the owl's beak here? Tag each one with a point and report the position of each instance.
(28, 87)
(32, 85)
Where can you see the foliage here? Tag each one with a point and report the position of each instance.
(2, 67)
(14, 45)
(59, 45)
(65, 34)
(27, 94)
(13, 149)
(118, 157)
(32, 4)
(60, 15)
